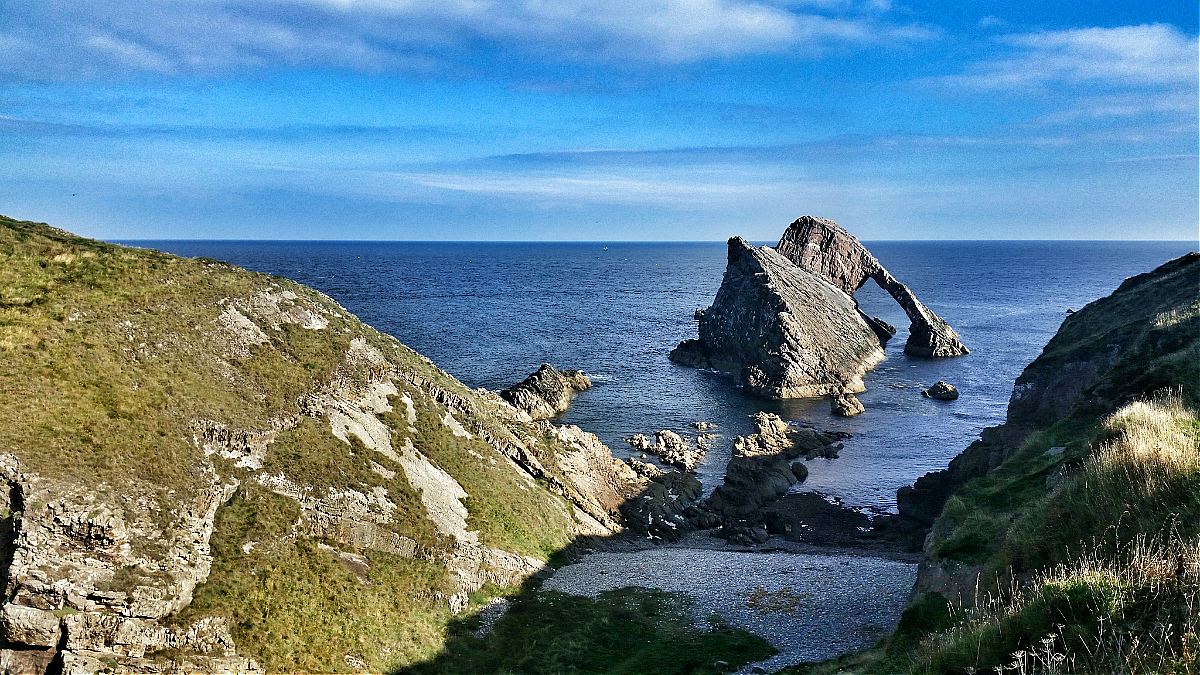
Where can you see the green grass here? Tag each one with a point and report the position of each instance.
(627, 631)
(1112, 559)
(103, 368)
(294, 607)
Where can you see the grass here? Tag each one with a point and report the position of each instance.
(294, 607)
(625, 631)
(106, 357)
(1137, 611)
(1110, 562)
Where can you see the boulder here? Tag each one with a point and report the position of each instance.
(546, 392)
(941, 391)
(640, 442)
(824, 248)
(30, 626)
(674, 450)
(845, 404)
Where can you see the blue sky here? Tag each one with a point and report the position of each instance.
(600, 119)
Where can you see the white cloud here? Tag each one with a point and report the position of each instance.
(1128, 56)
(66, 39)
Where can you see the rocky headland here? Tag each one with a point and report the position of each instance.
(1141, 339)
(1093, 477)
(196, 455)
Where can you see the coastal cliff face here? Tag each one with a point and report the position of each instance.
(1142, 339)
(783, 332)
(204, 467)
(823, 248)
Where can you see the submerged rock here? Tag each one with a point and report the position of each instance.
(941, 391)
(782, 331)
(825, 249)
(546, 392)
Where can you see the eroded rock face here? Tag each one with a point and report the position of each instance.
(782, 331)
(822, 247)
(79, 558)
(546, 392)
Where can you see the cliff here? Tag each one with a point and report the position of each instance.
(1074, 528)
(782, 331)
(211, 469)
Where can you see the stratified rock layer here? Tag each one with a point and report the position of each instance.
(784, 332)
(822, 247)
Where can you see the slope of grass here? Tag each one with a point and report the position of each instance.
(1111, 558)
(108, 355)
(296, 607)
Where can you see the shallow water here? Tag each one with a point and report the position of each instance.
(490, 313)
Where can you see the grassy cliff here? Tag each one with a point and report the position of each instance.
(1071, 541)
(131, 372)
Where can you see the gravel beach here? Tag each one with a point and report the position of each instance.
(810, 607)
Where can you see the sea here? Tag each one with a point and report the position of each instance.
(491, 313)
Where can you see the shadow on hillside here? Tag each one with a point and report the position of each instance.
(628, 630)
(632, 629)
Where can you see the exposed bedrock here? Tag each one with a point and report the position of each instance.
(782, 331)
(762, 468)
(822, 247)
(546, 392)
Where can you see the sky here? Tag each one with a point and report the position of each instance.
(600, 120)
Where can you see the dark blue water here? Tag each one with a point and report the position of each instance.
(491, 313)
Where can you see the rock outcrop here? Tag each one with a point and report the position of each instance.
(762, 467)
(845, 405)
(941, 391)
(781, 331)
(546, 392)
(822, 247)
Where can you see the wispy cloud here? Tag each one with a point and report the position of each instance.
(64, 39)
(1128, 56)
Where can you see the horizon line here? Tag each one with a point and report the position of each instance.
(601, 241)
